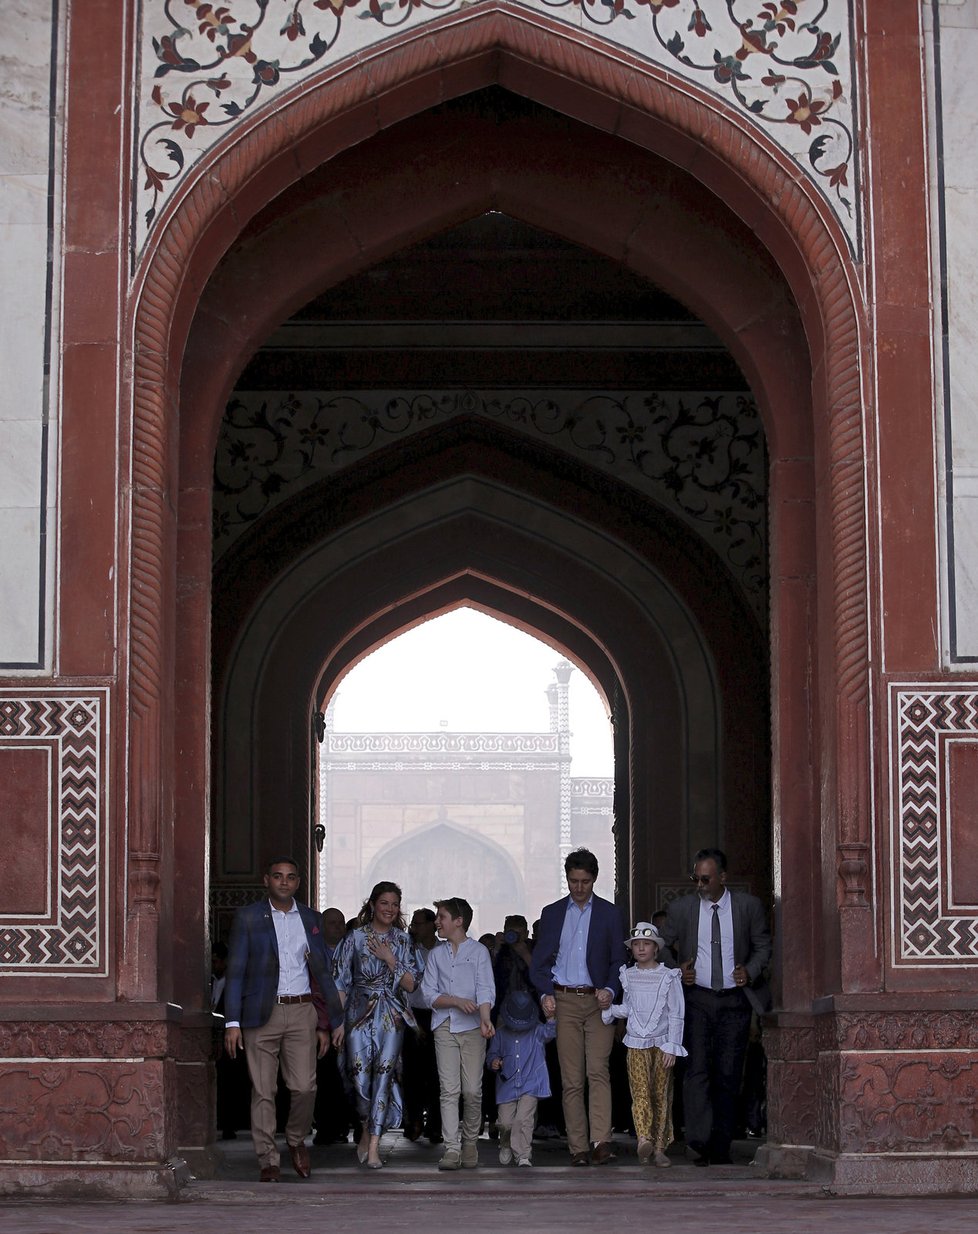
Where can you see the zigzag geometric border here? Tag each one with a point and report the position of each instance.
(72, 725)
(920, 720)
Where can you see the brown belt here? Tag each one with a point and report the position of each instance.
(293, 998)
(574, 989)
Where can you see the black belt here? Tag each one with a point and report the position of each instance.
(574, 989)
(289, 999)
(705, 989)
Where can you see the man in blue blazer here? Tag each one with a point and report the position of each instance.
(579, 950)
(723, 945)
(280, 1003)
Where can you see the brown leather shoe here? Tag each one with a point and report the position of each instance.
(269, 1174)
(580, 1159)
(300, 1159)
(603, 1153)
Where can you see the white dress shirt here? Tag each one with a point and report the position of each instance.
(704, 949)
(293, 948)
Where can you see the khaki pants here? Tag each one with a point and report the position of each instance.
(516, 1122)
(288, 1037)
(583, 1046)
(461, 1058)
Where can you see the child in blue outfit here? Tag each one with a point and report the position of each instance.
(516, 1056)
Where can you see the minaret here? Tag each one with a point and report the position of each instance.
(326, 725)
(558, 696)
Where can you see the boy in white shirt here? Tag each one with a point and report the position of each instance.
(458, 986)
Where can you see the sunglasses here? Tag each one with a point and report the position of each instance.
(646, 933)
(700, 878)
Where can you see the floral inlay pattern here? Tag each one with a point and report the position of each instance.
(701, 455)
(785, 66)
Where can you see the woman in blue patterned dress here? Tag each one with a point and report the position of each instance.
(373, 965)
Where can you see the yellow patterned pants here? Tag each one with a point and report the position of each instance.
(651, 1086)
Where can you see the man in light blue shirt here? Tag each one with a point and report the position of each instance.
(575, 971)
(458, 987)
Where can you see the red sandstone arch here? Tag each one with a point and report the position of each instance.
(611, 92)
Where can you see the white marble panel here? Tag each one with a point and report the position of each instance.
(23, 276)
(20, 467)
(959, 91)
(19, 584)
(28, 175)
(952, 132)
(23, 200)
(965, 513)
(962, 290)
(962, 13)
(25, 70)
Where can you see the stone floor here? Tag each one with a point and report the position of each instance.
(409, 1195)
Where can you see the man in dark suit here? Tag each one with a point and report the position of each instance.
(276, 964)
(723, 945)
(576, 958)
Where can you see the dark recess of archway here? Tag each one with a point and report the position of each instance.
(491, 301)
(628, 661)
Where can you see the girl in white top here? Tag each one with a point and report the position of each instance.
(653, 1007)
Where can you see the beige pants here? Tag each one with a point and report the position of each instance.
(288, 1037)
(583, 1046)
(461, 1058)
(516, 1122)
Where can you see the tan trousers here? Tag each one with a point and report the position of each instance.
(651, 1087)
(583, 1046)
(461, 1058)
(516, 1121)
(289, 1037)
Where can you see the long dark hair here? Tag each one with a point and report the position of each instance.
(366, 914)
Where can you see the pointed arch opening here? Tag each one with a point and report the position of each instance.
(469, 725)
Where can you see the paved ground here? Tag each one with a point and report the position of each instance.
(410, 1196)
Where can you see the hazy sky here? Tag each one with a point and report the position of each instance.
(466, 672)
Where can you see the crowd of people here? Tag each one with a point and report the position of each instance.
(372, 1025)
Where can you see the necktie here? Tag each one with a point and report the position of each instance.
(716, 955)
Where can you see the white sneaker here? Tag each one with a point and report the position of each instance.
(505, 1155)
(524, 1161)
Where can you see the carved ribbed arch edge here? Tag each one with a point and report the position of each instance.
(613, 75)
